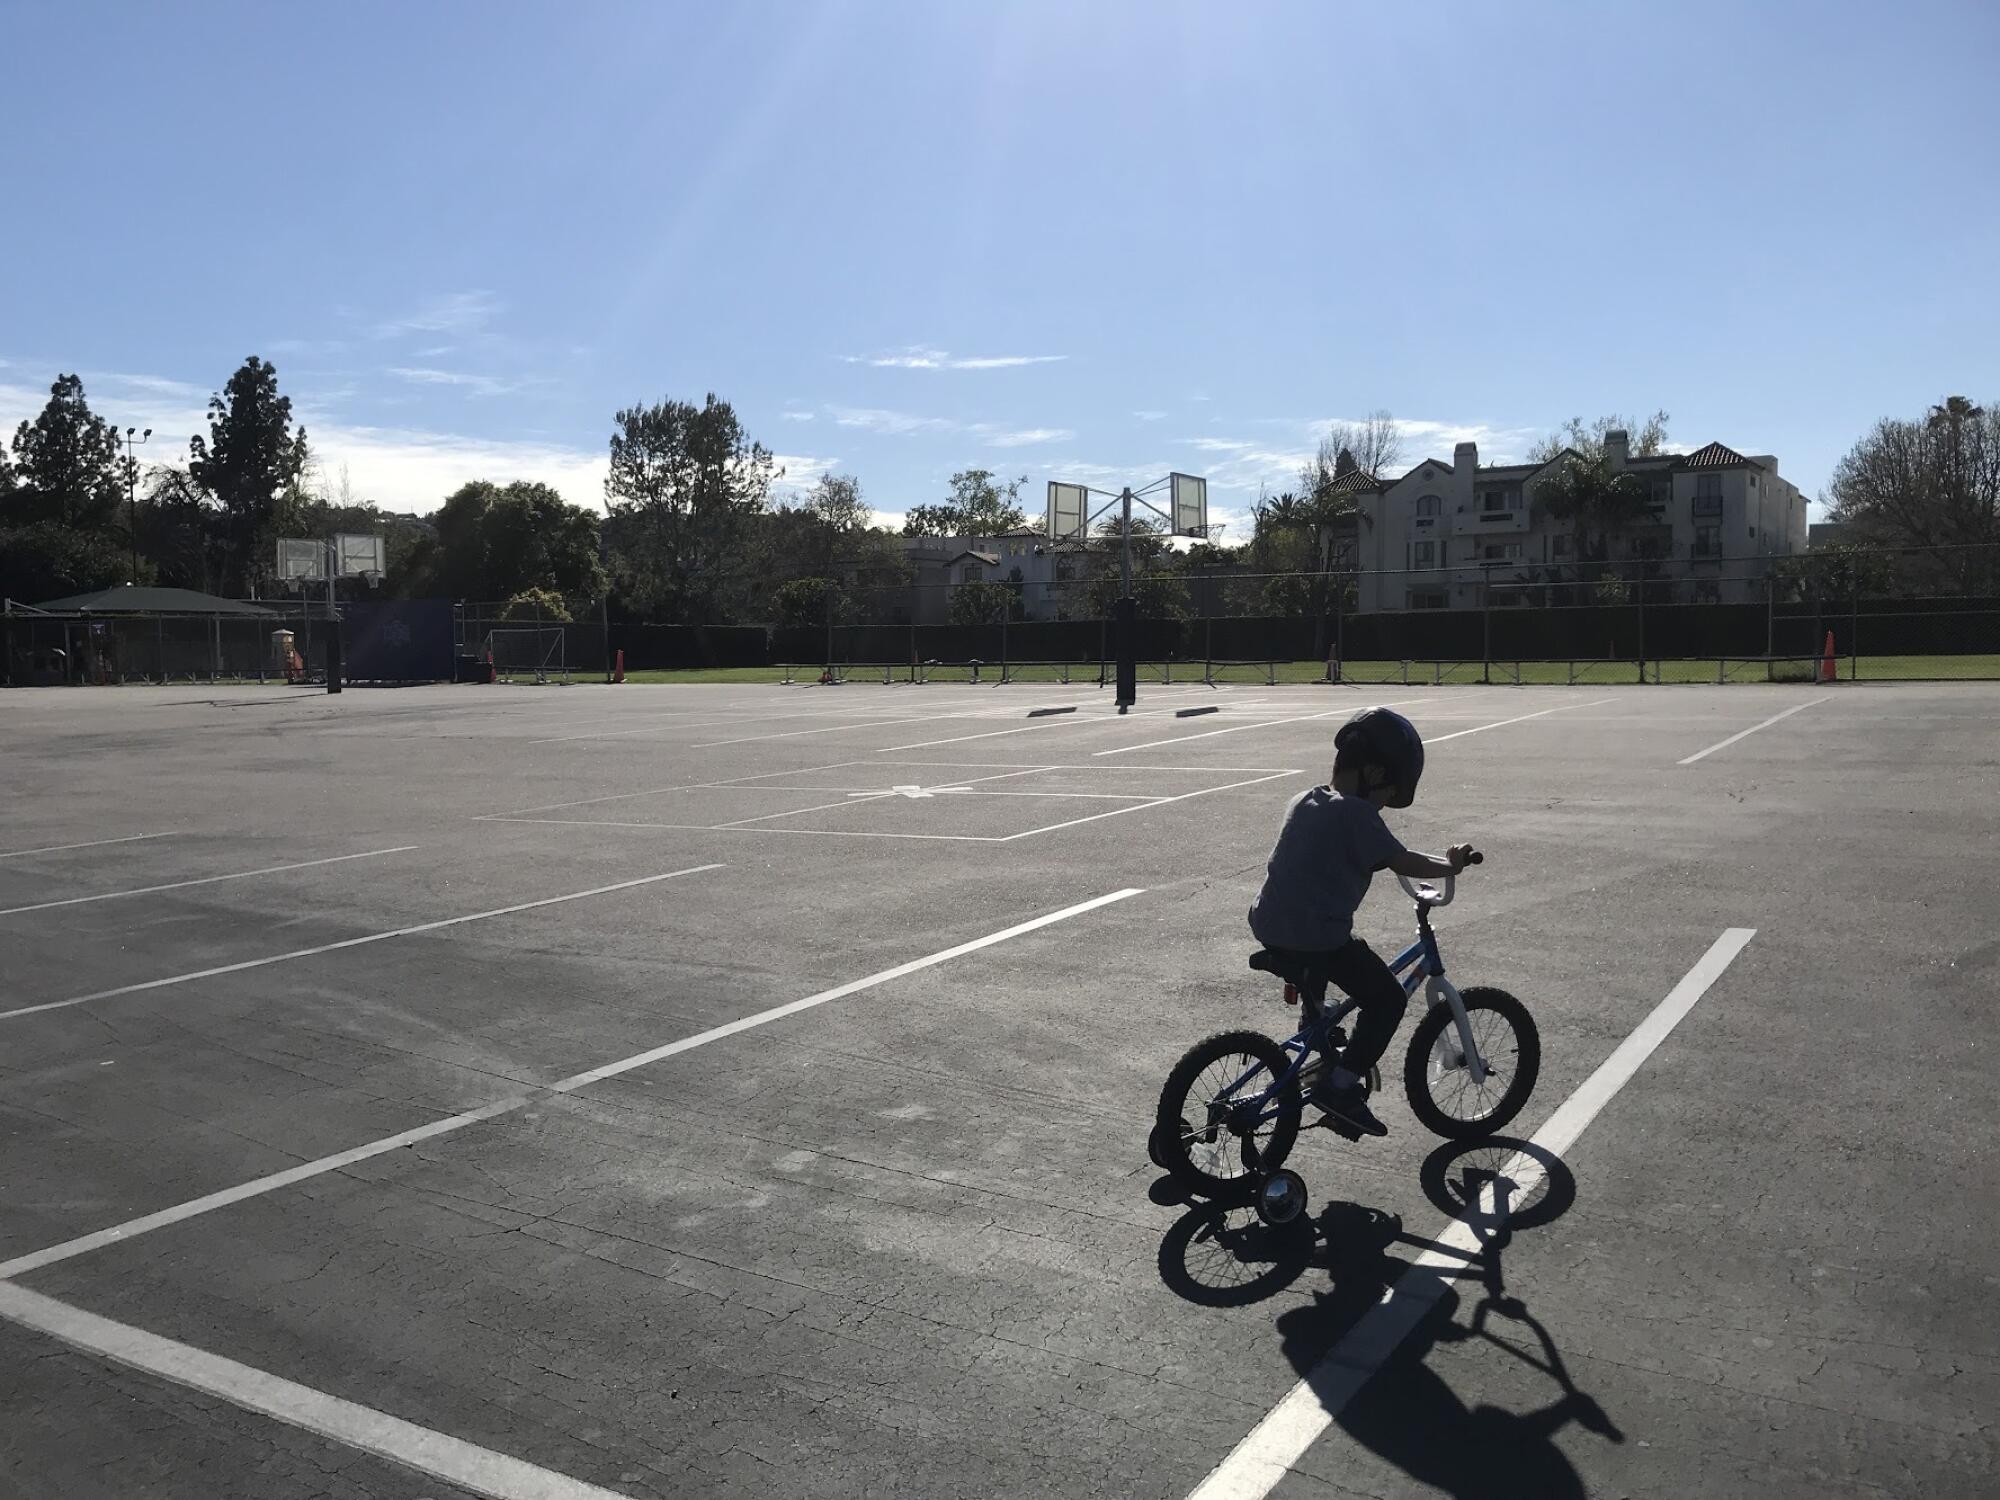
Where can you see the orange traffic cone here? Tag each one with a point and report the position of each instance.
(618, 671)
(1828, 668)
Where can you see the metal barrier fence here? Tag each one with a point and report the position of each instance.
(47, 649)
(1931, 613)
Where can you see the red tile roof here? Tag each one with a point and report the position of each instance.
(1715, 456)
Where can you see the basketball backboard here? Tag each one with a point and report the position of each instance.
(301, 559)
(1189, 507)
(357, 554)
(1068, 505)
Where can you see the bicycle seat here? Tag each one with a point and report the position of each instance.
(1287, 966)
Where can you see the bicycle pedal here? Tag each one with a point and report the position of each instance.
(1340, 1128)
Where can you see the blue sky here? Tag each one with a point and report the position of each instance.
(1054, 239)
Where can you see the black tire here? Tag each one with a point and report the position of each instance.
(1512, 1049)
(1205, 1155)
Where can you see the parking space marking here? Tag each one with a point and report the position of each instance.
(1258, 1463)
(177, 885)
(1459, 734)
(471, 1467)
(1797, 708)
(1142, 807)
(355, 942)
(132, 838)
(257, 1187)
(1209, 734)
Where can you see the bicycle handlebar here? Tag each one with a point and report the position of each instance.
(1434, 895)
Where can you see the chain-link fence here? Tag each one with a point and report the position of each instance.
(1916, 613)
(40, 648)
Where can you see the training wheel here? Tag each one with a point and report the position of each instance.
(1156, 1148)
(1281, 1197)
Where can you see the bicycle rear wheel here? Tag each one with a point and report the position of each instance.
(1220, 1126)
(1438, 1081)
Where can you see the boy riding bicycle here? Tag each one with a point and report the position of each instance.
(1332, 843)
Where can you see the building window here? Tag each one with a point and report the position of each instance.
(972, 573)
(1429, 599)
(1559, 545)
(1500, 551)
(1424, 554)
(1428, 505)
(1499, 502)
(1708, 541)
(1065, 570)
(1707, 591)
(1708, 495)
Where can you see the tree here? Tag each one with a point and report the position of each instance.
(1933, 482)
(804, 601)
(1373, 446)
(977, 507)
(66, 465)
(836, 500)
(1646, 438)
(251, 454)
(1842, 571)
(983, 603)
(1594, 498)
(692, 480)
(177, 531)
(536, 606)
(496, 541)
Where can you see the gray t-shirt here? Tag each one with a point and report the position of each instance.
(1327, 852)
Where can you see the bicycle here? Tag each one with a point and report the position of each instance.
(1471, 1064)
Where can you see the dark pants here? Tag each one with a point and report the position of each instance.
(1377, 992)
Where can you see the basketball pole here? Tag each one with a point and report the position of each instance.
(1127, 611)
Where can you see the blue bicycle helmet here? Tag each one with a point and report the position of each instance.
(1383, 737)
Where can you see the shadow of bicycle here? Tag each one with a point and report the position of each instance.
(1406, 1414)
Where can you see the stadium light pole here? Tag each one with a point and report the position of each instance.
(132, 493)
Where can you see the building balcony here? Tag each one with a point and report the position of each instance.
(1489, 522)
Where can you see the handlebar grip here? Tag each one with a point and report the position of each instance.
(1475, 858)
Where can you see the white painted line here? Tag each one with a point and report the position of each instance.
(1343, 712)
(1258, 1463)
(994, 734)
(480, 1470)
(1140, 807)
(793, 734)
(259, 1186)
(764, 1018)
(88, 844)
(1459, 734)
(1798, 708)
(356, 942)
(836, 833)
(176, 885)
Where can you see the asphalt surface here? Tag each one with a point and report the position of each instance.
(905, 1240)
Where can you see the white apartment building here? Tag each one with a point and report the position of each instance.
(1048, 575)
(1438, 536)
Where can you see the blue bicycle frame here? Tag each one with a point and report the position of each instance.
(1421, 965)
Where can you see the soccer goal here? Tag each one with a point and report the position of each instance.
(531, 653)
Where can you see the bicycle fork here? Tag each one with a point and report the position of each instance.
(1429, 973)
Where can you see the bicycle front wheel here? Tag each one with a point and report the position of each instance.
(1224, 1123)
(1438, 1080)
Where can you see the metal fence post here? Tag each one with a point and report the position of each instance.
(1639, 582)
(1486, 626)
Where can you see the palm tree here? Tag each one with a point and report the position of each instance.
(1594, 498)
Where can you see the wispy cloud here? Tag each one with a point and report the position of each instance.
(922, 357)
(1218, 445)
(877, 419)
(453, 313)
(902, 424)
(478, 385)
(1150, 416)
(796, 416)
(802, 472)
(1021, 437)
